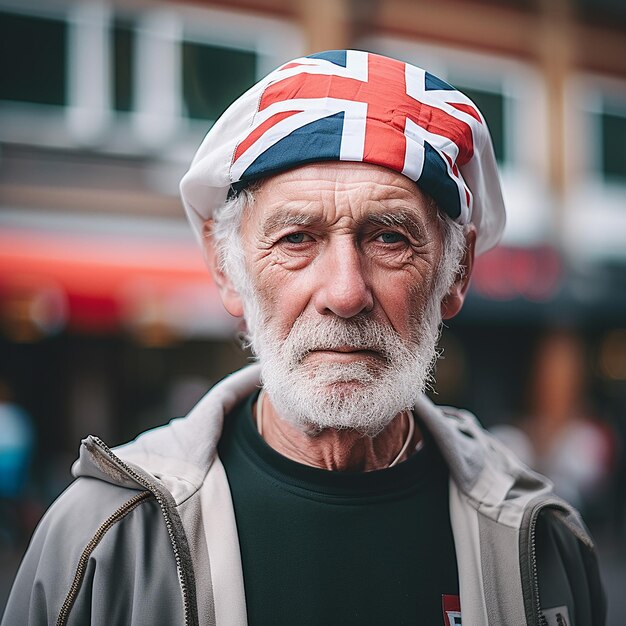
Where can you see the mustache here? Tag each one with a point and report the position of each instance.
(335, 333)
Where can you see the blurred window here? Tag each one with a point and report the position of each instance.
(213, 77)
(607, 12)
(33, 47)
(123, 42)
(126, 79)
(613, 138)
(493, 106)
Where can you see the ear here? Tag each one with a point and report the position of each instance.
(228, 294)
(453, 300)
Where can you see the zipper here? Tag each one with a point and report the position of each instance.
(536, 613)
(533, 564)
(91, 546)
(157, 492)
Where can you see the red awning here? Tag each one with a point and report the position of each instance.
(101, 283)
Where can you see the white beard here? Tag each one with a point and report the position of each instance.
(365, 395)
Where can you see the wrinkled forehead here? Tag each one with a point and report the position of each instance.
(329, 191)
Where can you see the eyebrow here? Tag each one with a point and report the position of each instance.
(282, 219)
(398, 218)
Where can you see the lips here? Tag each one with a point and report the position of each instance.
(344, 354)
(345, 348)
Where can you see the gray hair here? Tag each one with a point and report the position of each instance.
(227, 221)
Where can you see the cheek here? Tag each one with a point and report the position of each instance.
(403, 298)
(283, 297)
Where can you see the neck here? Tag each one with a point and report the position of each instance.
(339, 450)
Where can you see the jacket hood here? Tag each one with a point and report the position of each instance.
(180, 454)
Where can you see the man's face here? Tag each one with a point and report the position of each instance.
(342, 260)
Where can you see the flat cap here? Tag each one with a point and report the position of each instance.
(350, 105)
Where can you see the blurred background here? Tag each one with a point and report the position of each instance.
(109, 323)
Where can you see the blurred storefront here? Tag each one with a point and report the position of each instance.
(102, 106)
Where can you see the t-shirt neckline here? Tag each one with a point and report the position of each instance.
(409, 474)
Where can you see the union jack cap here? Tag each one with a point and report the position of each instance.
(349, 105)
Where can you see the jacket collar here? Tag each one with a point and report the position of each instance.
(180, 454)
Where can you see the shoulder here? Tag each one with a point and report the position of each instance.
(495, 487)
(95, 536)
(86, 511)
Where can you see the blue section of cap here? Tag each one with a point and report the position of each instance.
(436, 182)
(432, 83)
(338, 57)
(316, 141)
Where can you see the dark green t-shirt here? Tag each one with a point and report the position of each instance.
(324, 547)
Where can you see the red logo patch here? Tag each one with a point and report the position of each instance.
(451, 610)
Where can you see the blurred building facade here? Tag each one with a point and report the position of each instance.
(109, 322)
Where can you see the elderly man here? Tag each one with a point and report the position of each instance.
(339, 203)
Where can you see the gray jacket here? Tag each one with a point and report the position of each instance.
(147, 535)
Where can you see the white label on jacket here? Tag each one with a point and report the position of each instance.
(453, 618)
(557, 616)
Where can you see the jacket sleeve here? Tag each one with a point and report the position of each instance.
(568, 573)
(101, 555)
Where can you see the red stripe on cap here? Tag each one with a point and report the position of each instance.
(290, 65)
(466, 108)
(260, 130)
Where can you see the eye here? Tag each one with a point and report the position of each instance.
(296, 238)
(390, 237)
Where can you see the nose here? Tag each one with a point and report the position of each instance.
(343, 287)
